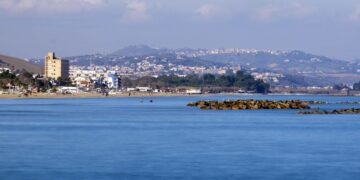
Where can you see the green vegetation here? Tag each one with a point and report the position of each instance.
(64, 81)
(23, 80)
(239, 80)
(356, 86)
(340, 87)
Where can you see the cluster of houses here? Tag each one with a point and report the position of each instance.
(173, 90)
(89, 78)
(107, 79)
(93, 78)
(268, 77)
(151, 66)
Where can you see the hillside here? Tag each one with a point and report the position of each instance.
(289, 62)
(300, 68)
(315, 69)
(139, 50)
(19, 64)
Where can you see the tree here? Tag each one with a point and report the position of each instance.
(42, 85)
(261, 87)
(63, 81)
(126, 82)
(356, 86)
(209, 78)
(339, 87)
(7, 78)
(7, 75)
(227, 82)
(25, 79)
(146, 81)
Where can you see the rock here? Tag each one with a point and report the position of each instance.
(201, 104)
(337, 111)
(316, 102)
(205, 107)
(250, 104)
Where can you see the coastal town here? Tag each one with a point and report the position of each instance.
(59, 77)
(179, 89)
(147, 77)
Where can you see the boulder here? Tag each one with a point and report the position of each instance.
(336, 111)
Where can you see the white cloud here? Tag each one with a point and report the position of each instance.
(293, 10)
(40, 6)
(6, 3)
(94, 2)
(207, 10)
(301, 10)
(267, 12)
(137, 11)
(355, 16)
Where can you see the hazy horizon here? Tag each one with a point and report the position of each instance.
(77, 27)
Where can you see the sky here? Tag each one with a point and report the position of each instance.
(31, 28)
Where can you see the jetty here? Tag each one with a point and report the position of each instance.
(250, 104)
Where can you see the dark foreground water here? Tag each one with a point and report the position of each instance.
(131, 138)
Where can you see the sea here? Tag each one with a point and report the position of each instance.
(162, 138)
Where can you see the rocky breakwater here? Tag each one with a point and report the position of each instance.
(316, 102)
(250, 104)
(348, 103)
(339, 111)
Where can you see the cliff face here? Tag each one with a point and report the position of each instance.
(19, 64)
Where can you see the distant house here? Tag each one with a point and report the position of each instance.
(354, 93)
(113, 80)
(193, 91)
(241, 91)
(144, 89)
(345, 91)
(71, 90)
(130, 89)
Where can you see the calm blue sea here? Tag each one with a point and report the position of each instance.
(132, 138)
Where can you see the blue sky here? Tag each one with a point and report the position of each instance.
(30, 28)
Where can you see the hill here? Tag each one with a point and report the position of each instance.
(297, 62)
(315, 69)
(139, 50)
(298, 67)
(19, 64)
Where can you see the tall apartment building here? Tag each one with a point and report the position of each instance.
(55, 68)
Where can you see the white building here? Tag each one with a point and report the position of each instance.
(71, 90)
(144, 89)
(130, 89)
(193, 91)
(112, 80)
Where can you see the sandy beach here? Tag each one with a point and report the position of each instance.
(88, 95)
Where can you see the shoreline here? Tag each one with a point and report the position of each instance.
(137, 94)
(93, 95)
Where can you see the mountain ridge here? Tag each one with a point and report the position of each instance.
(294, 63)
(14, 63)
